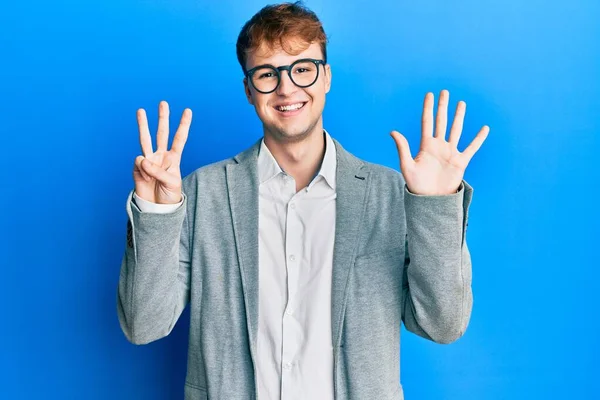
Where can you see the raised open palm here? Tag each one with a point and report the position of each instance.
(439, 167)
(157, 174)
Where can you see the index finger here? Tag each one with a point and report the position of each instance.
(145, 139)
(182, 131)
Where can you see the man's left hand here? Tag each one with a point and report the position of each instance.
(439, 167)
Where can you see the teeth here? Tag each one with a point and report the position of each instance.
(290, 107)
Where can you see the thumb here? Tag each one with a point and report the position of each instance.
(157, 172)
(403, 149)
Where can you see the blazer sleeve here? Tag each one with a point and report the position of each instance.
(154, 281)
(437, 292)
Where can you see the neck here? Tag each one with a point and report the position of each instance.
(301, 159)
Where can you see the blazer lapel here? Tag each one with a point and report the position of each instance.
(352, 182)
(242, 187)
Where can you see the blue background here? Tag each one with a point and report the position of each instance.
(73, 73)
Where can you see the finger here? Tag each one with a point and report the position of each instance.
(157, 173)
(182, 131)
(427, 117)
(162, 134)
(457, 124)
(145, 139)
(169, 162)
(476, 143)
(441, 121)
(138, 168)
(406, 159)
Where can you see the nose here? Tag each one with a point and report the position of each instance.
(286, 86)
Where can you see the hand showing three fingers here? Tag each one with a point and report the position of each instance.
(157, 174)
(439, 167)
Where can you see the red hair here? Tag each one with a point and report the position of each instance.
(284, 26)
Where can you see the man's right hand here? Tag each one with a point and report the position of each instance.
(156, 174)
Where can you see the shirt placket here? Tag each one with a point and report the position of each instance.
(290, 326)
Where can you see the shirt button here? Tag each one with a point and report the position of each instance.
(289, 311)
(293, 206)
(292, 258)
(287, 365)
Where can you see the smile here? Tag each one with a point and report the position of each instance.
(290, 107)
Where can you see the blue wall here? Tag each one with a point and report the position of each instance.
(72, 74)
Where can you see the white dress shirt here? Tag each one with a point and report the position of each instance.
(296, 236)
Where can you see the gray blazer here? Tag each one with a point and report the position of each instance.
(397, 257)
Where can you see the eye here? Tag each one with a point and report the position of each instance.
(266, 75)
(301, 70)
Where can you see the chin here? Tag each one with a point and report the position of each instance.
(291, 133)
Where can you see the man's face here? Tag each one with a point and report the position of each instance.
(291, 125)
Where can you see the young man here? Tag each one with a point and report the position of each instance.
(298, 259)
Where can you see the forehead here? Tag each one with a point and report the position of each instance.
(277, 55)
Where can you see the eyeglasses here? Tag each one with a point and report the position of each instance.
(266, 78)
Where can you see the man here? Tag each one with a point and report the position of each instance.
(298, 259)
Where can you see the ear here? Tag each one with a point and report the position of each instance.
(327, 78)
(248, 93)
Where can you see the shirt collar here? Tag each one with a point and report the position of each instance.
(269, 168)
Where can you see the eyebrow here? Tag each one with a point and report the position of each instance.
(284, 65)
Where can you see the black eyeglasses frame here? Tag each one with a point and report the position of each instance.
(287, 68)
